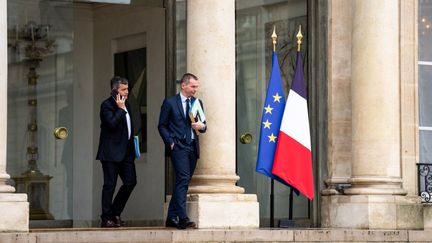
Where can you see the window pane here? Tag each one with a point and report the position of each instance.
(254, 25)
(180, 40)
(425, 99)
(40, 98)
(425, 146)
(425, 30)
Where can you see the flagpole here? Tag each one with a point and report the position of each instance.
(290, 223)
(274, 38)
(299, 39)
(290, 206)
(272, 203)
(291, 196)
(274, 41)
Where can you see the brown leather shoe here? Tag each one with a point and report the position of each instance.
(108, 223)
(186, 224)
(118, 221)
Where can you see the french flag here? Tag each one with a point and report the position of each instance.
(293, 157)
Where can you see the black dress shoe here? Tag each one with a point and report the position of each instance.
(108, 223)
(186, 224)
(171, 223)
(118, 221)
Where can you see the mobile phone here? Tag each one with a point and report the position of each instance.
(114, 93)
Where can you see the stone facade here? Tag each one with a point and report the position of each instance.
(372, 120)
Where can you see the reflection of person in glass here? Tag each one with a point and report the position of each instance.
(116, 152)
(182, 143)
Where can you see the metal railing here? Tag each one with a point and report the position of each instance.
(425, 182)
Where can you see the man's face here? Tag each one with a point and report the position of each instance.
(123, 90)
(191, 88)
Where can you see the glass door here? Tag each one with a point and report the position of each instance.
(254, 26)
(40, 106)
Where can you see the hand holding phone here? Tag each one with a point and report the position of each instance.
(114, 94)
(120, 100)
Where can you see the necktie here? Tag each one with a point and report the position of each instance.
(187, 107)
(188, 122)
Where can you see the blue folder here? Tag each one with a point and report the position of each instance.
(137, 149)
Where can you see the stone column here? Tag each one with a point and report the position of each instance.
(14, 209)
(215, 200)
(375, 99)
(211, 56)
(376, 199)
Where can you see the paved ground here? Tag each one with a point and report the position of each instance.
(153, 234)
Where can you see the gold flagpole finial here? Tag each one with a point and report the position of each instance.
(274, 37)
(299, 39)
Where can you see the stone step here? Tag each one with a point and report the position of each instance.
(153, 234)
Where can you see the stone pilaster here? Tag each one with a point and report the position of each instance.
(211, 56)
(409, 95)
(14, 209)
(339, 97)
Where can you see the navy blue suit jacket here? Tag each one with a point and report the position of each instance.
(113, 140)
(173, 124)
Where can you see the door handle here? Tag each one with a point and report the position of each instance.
(61, 133)
(246, 138)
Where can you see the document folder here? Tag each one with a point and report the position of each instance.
(137, 148)
(196, 112)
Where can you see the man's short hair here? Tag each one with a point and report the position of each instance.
(116, 81)
(186, 77)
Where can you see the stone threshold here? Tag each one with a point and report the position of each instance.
(153, 234)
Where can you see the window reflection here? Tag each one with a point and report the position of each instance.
(425, 30)
(40, 98)
(425, 80)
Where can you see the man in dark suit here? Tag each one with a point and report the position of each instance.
(116, 152)
(182, 143)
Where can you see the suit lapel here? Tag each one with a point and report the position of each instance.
(180, 106)
(124, 120)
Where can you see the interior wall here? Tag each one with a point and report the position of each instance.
(111, 24)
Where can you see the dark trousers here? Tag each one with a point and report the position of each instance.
(184, 160)
(127, 173)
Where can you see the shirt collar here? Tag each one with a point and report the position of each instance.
(183, 98)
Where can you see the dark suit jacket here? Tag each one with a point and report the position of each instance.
(114, 144)
(173, 124)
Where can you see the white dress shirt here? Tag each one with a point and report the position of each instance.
(183, 100)
(128, 121)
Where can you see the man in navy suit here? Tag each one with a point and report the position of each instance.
(116, 152)
(182, 143)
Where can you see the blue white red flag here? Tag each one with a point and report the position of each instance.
(293, 158)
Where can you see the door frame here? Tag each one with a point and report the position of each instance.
(318, 108)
